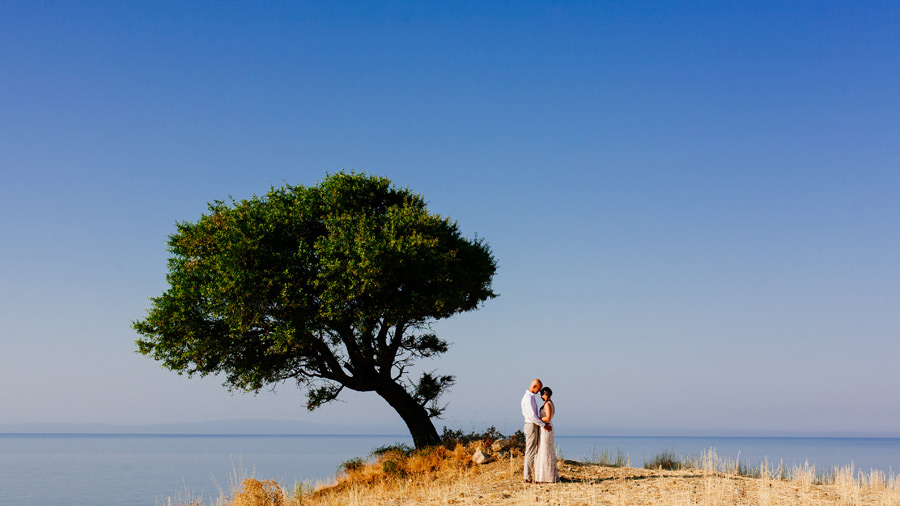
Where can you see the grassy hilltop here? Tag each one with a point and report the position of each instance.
(446, 475)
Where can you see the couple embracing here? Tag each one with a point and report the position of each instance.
(540, 453)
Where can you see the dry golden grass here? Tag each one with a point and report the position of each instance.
(262, 493)
(500, 482)
(447, 477)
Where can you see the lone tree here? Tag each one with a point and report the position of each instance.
(333, 286)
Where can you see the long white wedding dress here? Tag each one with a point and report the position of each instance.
(545, 462)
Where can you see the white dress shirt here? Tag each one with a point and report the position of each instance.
(530, 410)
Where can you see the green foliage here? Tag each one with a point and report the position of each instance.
(392, 466)
(332, 286)
(430, 387)
(450, 438)
(351, 465)
(397, 447)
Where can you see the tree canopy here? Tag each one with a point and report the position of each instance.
(332, 286)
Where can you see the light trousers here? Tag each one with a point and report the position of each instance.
(532, 439)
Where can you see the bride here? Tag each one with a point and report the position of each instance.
(545, 462)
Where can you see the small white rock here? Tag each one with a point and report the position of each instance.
(479, 457)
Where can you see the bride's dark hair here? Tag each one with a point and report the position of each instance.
(546, 390)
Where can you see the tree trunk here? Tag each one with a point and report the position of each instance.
(416, 417)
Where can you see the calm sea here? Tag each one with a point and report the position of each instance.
(107, 470)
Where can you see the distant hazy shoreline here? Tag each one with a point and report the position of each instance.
(257, 427)
(221, 427)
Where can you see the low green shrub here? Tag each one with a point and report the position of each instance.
(450, 438)
(349, 466)
(392, 465)
(394, 448)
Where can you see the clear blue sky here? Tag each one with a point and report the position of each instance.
(694, 207)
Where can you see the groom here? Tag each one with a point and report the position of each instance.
(532, 429)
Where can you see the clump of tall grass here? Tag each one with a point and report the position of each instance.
(244, 490)
(394, 463)
(711, 462)
(263, 493)
(605, 457)
(665, 460)
(185, 498)
(846, 477)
